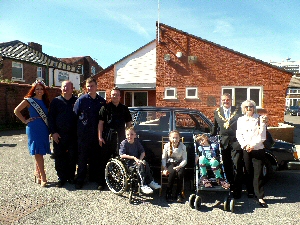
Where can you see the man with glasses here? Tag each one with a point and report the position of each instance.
(225, 124)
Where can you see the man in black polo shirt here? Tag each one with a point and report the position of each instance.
(113, 118)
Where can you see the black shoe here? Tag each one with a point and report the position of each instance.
(262, 204)
(169, 197)
(71, 181)
(52, 156)
(78, 185)
(60, 183)
(100, 187)
(180, 198)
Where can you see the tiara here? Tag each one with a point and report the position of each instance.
(39, 80)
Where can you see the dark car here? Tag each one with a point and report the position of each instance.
(293, 110)
(153, 123)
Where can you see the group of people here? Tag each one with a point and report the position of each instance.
(87, 131)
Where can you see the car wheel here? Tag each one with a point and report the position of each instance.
(267, 170)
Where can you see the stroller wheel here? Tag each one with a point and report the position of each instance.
(232, 204)
(226, 203)
(192, 200)
(197, 202)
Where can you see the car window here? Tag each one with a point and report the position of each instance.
(151, 120)
(186, 122)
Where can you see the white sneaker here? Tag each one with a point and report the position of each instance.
(146, 189)
(154, 185)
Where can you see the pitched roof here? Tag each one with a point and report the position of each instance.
(20, 51)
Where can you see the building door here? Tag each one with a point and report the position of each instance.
(135, 98)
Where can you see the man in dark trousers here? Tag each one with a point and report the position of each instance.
(113, 118)
(87, 109)
(225, 124)
(62, 125)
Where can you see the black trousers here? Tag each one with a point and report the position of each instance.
(172, 176)
(90, 152)
(233, 168)
(253, 174)
(145, 172)
(65, 157)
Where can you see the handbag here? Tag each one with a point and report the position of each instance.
(269, 142)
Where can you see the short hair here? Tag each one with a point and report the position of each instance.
(227, 95)
(200, 137)
(174, 132)
(244, 103)
(116, 89)
(67, 81)
(90, 80)
(131, 128)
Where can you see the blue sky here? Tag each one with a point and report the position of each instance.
(108, 30)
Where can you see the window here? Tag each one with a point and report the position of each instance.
(17, 70)
(170, 93)
(102, 94)
(39, 72)
(93, 70)
(136, 98)
(191, 92)
(240, 94)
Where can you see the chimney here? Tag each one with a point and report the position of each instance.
(35, 46)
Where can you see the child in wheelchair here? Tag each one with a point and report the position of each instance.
(174, 159)
(209, 156)
(132, 149)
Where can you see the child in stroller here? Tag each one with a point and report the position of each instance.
(209, 156)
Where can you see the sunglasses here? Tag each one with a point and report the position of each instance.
(249, 107)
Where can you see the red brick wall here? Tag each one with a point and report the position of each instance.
(12, 95)
(29, 71)
(216, 67)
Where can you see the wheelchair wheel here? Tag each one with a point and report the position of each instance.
(116, 176)
(192, 200)
(197, 203)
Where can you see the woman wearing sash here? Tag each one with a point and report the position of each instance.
(37, 102)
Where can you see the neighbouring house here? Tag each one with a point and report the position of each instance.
(293, 91)
(23, 63)
(182, 70)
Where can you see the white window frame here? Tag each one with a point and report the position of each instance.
(170, 96)
(189, 96)
(249, 88)
(39, 72)
(101, 92)
(19, 66)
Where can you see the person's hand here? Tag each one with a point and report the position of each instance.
(56, 137)
(101, 141)
(30, 119)
(165, 172)
(264, 119)
(176, 168)
(249, 148)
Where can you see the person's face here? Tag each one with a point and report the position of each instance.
(67, 88)
(130, 136)
(226, 101)
(39, 90)
(249, 109)
(91, 88)
(203, 141)
(174, 138)
(115, 96)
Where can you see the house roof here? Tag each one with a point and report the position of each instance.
(295, 82)
(20, 51)
(225, 48)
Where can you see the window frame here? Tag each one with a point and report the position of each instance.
(39, 71)
(98, 92)
(93, 70)
(170, 89)
(191, 97)
(22, 71)
(249, 88)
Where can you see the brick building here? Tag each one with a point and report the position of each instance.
(24, 63)
(181, 70)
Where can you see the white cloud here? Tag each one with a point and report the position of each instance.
(223, 27)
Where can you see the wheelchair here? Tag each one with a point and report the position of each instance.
(119, 177)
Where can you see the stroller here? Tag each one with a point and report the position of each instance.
(195, 200)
